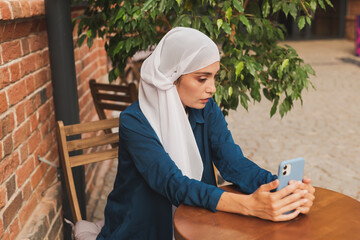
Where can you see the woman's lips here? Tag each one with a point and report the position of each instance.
(205, 100)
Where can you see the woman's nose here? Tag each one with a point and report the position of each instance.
(211, 87)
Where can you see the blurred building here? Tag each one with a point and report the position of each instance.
(337, 22)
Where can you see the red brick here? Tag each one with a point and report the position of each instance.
(40, 78)
(16, 9)
(24, 171)
(7, 124)
(17, 92)
(37, 8)
(21, 134)
(1, 150)
(25, 7)
(15, 71)
(49, 90)
(3, 102)
(46, 59)
(20, 113)
(10, 187)
(42, 26)
(28, 209)
(38, 175)
(7, 31)
(30, 84)
(22, 29)
(14, 228)
(44, 112)
(6, 236)
(26, 190)
(28, 64)
(45, 128)
(34, 122)
(11, 50)
(24, 153)
(34, 141)
(1, 229)
(8, 145)
(5, 76)
(8, 166)
(2, 197)
(25, 46)
(5, 11)
(37, 42)
(12, 209)
(35, 25)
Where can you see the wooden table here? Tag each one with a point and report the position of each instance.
(333, 216)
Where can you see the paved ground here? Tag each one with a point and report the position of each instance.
(325, 130)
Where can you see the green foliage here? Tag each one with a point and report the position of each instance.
(253, 64)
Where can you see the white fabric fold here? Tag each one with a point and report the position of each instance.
(180, 51)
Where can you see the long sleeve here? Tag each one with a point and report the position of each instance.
(157, 168)
(229, 159)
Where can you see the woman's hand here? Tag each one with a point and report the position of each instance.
(305, 185)
(271, 205)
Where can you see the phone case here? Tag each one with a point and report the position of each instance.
(292, 169)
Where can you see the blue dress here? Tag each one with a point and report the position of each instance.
(148, 182)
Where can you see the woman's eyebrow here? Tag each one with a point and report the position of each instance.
(203, 73)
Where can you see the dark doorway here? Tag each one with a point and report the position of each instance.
(329, 23)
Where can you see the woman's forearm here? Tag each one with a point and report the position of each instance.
(234, 203)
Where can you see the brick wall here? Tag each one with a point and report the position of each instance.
(353, 9)
(30, 205)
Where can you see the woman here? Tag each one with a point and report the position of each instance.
(168, 141)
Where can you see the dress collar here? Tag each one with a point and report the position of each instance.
(195, 116)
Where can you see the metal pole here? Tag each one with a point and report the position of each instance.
(62, 63)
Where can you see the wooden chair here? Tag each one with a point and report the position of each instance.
(112, 97)
(68, 162)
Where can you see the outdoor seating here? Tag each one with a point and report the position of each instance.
(112, 96)
(105, 146)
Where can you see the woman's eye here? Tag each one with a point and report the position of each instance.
(202, 79)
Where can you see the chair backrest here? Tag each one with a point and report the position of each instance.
(66, 146)
(112, 97)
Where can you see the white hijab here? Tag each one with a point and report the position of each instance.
(180, 51)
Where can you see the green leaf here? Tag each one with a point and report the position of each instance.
(293, 10)
(119, 15)
(127, 45)
(238, 68)
(89, 33)
(227, 28)
(308, 20)
(228, 14)
(208, 24)
(230, 91)
(274, 106)
(265, 8)
(329, 3)
(81, 39)
(244, 100)
(90, 42)
(301, 22)
(238, 6)
(118, 47)
(219, 23)
(309, 69)
(246, 22)
(313, 5)
(322, 5)
(147, 5)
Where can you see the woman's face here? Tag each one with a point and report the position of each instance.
(197, 87)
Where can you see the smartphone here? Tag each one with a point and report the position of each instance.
(292, 169)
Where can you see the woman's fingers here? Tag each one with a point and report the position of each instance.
(269, 186)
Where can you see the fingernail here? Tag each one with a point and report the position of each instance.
(305, 200)
(305, 191)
